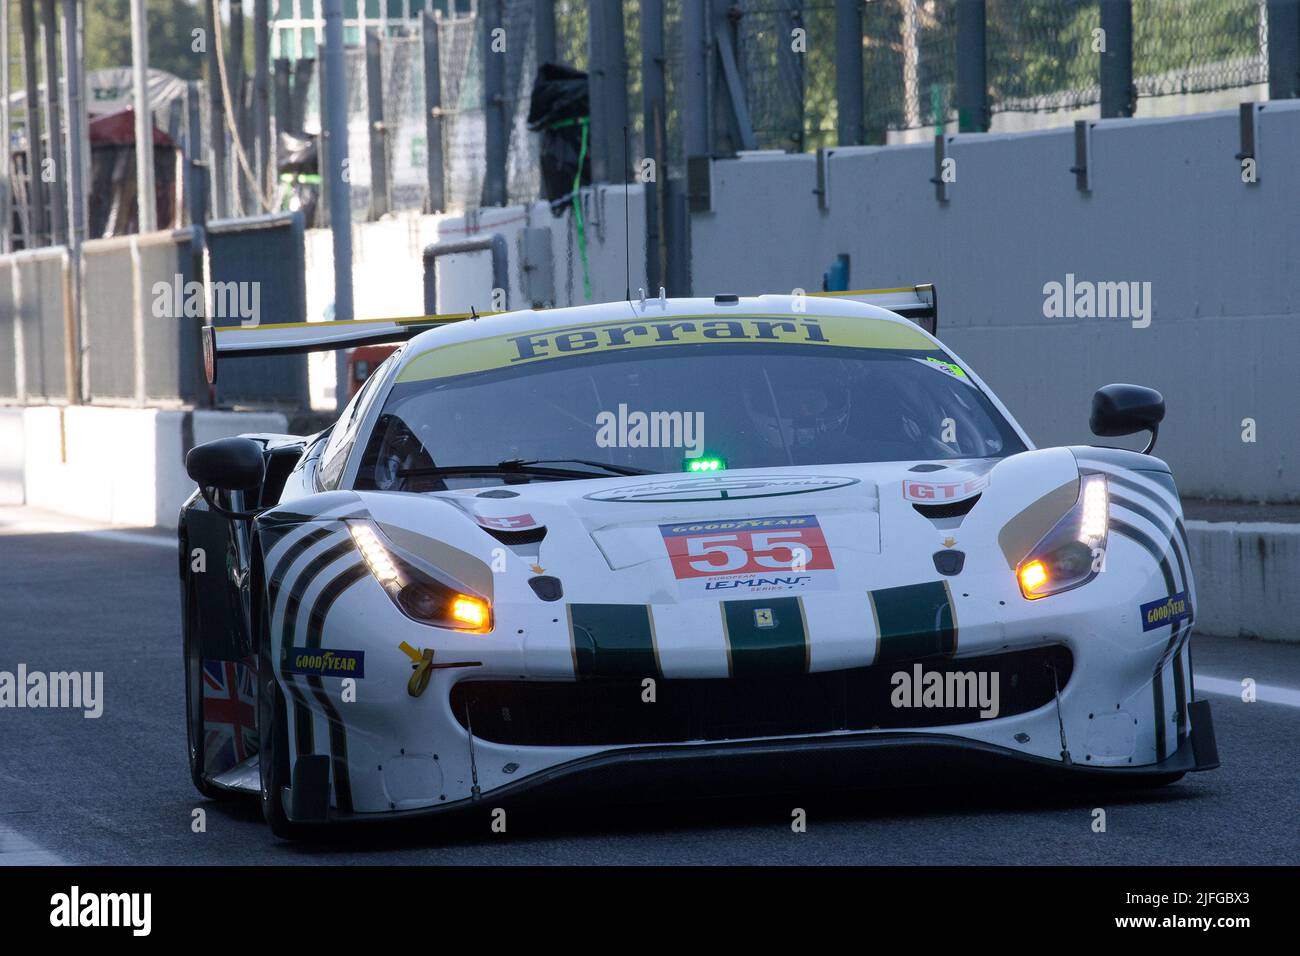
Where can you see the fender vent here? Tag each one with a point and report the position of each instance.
(512, 538)
(955, 509)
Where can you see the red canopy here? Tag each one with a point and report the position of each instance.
(118, 129)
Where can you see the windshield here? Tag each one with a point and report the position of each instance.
(684, 407)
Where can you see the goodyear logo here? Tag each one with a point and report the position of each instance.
(745, 524)
(505, 351)
(1168, 610)
(323, 663)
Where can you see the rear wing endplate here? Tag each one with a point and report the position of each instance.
(920, 303)
(289, 338)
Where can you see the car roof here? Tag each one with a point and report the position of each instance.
(530, 320)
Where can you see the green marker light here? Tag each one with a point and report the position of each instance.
(704, 464)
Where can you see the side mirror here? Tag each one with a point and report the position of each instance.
(1125, 409)
(230, 464)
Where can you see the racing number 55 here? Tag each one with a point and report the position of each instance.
(763, 547)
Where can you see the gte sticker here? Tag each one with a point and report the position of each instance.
(318, 662)
(507, 523)
(749, 555)
(1168, 610)
(930, 492)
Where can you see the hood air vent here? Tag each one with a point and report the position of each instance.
(954, 509)
(513, 538)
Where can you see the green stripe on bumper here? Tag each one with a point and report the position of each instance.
(766, 636)
(916, 620)
(612, 640)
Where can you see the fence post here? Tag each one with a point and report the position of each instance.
(283, 109)
(694, 43)
(194, 188)
(607, 80)
(731, 118)
(7, 170)
(302, 71)
(265, 150)
(35, 142)
(653, 96)
(54, 123)
(334, 121)
(323, 142)
(218, 172)
(494, 104)
(1117, 94)
(544, 31)
(972, 68)
(436, 200)
(1283, 49)
(379, 198)
(850, 115)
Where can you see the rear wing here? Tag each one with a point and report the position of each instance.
(288, 338)
(920, 303)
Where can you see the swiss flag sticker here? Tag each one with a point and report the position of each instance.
(507, 523)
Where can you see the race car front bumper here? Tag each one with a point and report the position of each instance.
(828, 762)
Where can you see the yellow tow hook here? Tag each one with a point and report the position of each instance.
(421, 667)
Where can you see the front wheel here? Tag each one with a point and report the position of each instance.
(273, 741)
(195, 731)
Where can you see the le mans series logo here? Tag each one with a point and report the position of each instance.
(1168, 610)
(321, 662)
(749, 555)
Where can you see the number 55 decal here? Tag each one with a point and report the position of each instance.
(746, 546)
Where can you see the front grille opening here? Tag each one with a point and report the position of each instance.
(609, 711)
(955, 509)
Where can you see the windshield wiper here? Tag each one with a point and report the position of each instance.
(615, 469)
(517, 469)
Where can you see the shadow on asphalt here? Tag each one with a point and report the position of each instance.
(536, 819)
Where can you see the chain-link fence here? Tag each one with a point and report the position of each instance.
(909, 58)
(1198, 46)
(1042, 56)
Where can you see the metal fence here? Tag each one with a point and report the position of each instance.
(1041, 57)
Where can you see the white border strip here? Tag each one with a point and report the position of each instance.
(1266, 693)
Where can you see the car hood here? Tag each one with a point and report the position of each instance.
(678, 538)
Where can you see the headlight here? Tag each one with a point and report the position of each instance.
(420, 591)
(1071, 553)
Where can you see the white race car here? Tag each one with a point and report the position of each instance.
(677, 545)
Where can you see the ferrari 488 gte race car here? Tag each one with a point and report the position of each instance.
(687, 546)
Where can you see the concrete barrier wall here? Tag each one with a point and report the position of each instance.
(32, 325)
(121, 466)
(8, 323)
(610, 237)
(1245, 578)
(1167, 206)
(11, 457)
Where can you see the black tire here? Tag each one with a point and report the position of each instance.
(194, 731)
(272, 734)
(1146, 781)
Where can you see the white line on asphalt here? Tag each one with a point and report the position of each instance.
(1268, 693)
(17, 850)
(129, 537)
